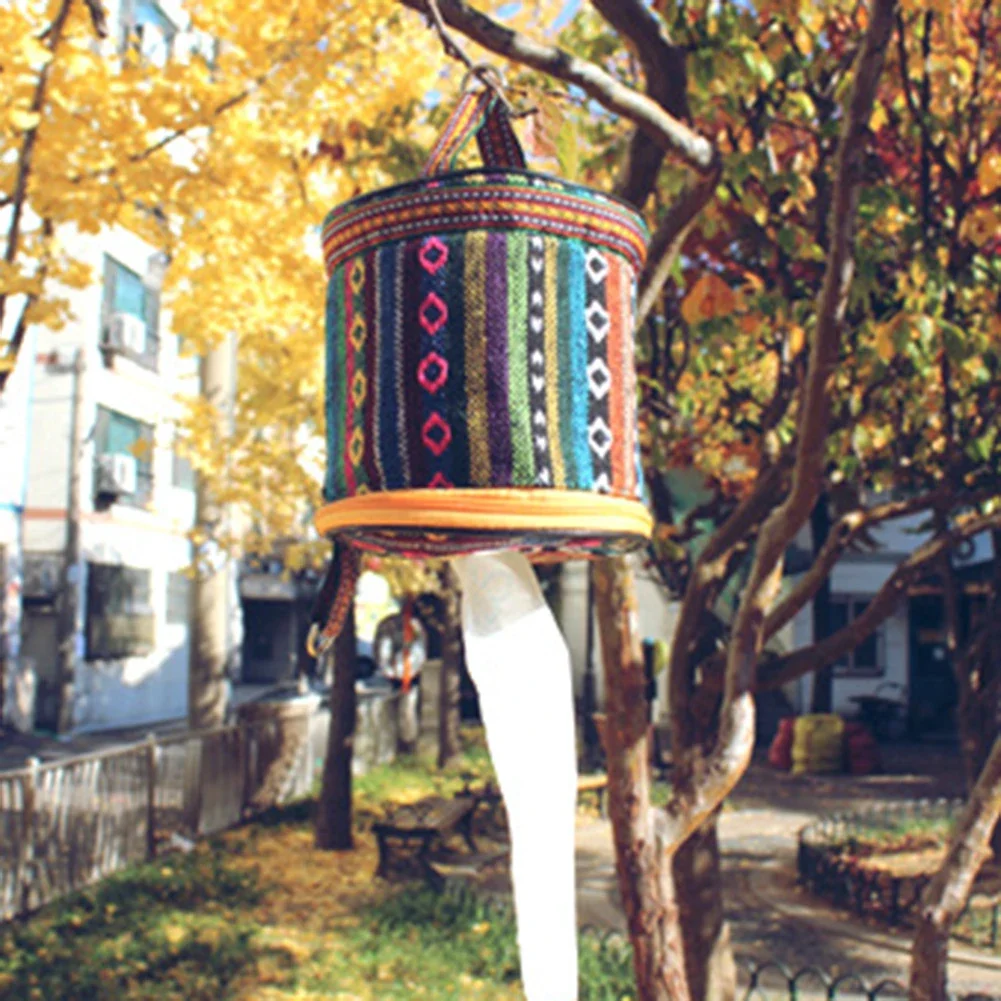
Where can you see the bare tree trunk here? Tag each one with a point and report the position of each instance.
(451, 659)
(210, 590)
(333, 811)
(991, 663)
(712, 972)
(946, 895)
(646, 881)
(823, 680)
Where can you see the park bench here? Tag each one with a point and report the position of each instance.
(409, 832)
(594, 784)
(489, 795)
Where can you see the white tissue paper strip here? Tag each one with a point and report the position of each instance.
(520, 664)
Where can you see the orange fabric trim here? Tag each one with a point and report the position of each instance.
(493, 509)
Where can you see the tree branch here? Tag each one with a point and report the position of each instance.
(666, 82)
(611, 93)
(735, 741)
(8, 360)
(669, 238)
(945, 896)
(782, 670)
(19, 194)
(848, 528)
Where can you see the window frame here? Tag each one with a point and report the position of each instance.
(143, 495)
(150, 358)
(848, 666)
(123, 606)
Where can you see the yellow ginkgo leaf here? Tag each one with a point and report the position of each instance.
(708, 298)
(35, 53)
(797, 338)
(989, 172)
(174, 934)
(885, 347)
(23, 120)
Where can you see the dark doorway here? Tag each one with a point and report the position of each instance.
(270, 641)
(933, 693)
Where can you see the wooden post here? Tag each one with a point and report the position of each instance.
(26, 849)
(152, 754)
(242, 756)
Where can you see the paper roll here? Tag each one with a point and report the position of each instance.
(520, 664)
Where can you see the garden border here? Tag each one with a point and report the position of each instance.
(827, 868)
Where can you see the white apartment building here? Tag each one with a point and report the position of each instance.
(905, 660)
(94, 499)
(15, 700)
(107, 393)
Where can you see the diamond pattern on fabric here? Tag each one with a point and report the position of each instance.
(433, 255)
(599, 436)
(432, 373)
(599, 378)
(436, 434)
(358, 332)
(359, 388)
(433, 314)
(439, 482)
(356, 448)
(596, 265)
(357, 276)
(597, 321)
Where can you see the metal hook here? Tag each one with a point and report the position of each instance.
(490, 77)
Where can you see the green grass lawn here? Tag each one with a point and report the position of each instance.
(259, 914)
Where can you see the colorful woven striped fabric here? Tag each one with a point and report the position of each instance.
(480, 335)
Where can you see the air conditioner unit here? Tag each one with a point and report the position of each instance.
(126, 333)
(116, 474)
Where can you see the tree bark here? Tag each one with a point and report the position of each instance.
(991, 663)
(333, 811)
(646, 880)
(712, 972)
(823, 680)
(947, 894)
(210, 593)
(451, 660)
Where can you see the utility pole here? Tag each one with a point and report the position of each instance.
(69, 581)
(209, 652)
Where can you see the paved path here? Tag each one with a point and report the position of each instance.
(769, 915)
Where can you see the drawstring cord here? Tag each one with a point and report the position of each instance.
(333, 603)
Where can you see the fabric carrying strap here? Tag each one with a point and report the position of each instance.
(333, 602)
(481, 113)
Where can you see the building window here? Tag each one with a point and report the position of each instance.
(868, 659)
(130, 481)
(183, 474)
(120, 621)
(131, 315)
(178, 593)
(146, 28)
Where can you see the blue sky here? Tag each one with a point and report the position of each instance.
(569, 9)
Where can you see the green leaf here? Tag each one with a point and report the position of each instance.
(757, 62)
(568, 150)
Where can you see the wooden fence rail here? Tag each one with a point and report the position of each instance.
(66, 824)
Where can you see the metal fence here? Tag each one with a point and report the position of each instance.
(775, 981)
(68, 823)
(831, 862)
